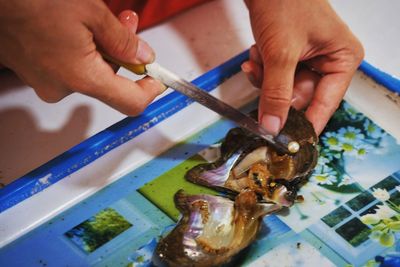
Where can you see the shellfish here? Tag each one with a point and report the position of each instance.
(258, 179)
(212, 230)
(247, 162)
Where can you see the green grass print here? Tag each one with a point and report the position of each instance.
(161, 190)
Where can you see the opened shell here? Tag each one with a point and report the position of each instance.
(212, 229)
(248, 162)
(256, 180)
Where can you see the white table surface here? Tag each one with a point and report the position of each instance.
(33, 132)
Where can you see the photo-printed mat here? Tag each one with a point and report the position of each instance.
(350, 215)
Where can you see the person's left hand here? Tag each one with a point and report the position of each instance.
(304, 56)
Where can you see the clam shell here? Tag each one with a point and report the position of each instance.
(266, 170)
(212, 229)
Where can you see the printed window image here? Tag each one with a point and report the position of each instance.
(354, 231)
(372, 214)
(98, 230)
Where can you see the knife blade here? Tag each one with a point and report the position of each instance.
(175, 82)
(185, 87)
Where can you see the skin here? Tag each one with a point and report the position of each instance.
(304, 55)
(54, 47)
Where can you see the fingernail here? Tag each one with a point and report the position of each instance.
(245, 67)
(163, 87)
(294, 101)
(248, 71)
(298, 103)
(128, 16)
(144, 53)
(155, 85)
(271, 123)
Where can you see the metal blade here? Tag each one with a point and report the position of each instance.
(175, 82)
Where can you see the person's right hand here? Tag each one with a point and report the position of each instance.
(53, 46)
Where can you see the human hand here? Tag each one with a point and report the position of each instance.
(53, 46)
(304, 56)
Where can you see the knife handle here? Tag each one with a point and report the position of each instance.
(138, 69)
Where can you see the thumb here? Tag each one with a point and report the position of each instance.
(120, 41)
(276, 93)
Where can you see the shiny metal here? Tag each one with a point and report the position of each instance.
(175, 82)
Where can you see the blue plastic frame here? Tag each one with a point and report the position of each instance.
(130, 127)
(112, 137)
(390, 82)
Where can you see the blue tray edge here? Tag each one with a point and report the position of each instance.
(389, 81)
(117, 134)
(101, 143)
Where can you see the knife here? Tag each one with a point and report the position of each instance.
(175, 82)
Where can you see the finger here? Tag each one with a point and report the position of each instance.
(276, 93)
(255, 55)
(305, 83)
(341, 61)
(339, 69)
(118, 40)
(46, 87)
(129, 97)
(51, 92)
(129, 19)
(328, 95)
(254, 73)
